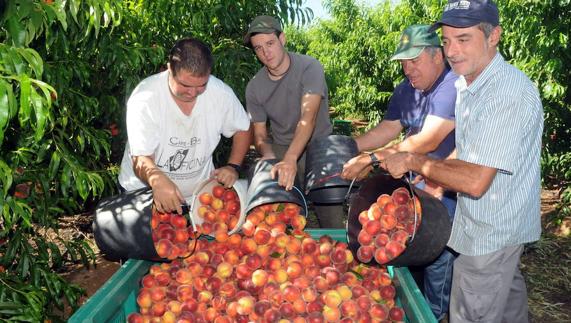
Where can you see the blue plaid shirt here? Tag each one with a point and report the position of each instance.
(499, 124)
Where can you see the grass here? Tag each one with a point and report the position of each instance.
(546, 266)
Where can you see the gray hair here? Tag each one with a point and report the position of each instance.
(486, 28)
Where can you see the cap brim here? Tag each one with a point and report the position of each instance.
(456, 22)
(410, 53)
(258, 30)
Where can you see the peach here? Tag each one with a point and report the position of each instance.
(400, 236)
(205, 198)
(315, 306)
(232, 206)
(158, 308)
(365, 253)
(294, 270)
(144, 299)
(344, 291)
(379, 312)
(253, 261)
(164, 217)
(396, 314)
(264, 251)
(271, 315)
(262, 236)
(280, 275)
(158, 294)
(389, 208)
(383, 199)
(315, 317)
(349, 278)
(294, 246)
(374, 212)
(164, 248)
(248, 246)
(178, 221)
(149, 281)
(175, 307)
(394, 249)
(320, 284)
(184, 293)
(287, 311)
(243, 271)
(135, 318)
(332, 275)
(217, 204)
(183, 276)
(331, 314)
(298, 222)
(224, 269)
(388, 292)
(299, 306)
(364, 303)
(245, 305)
(365, 238)
(230, 195)
(349, 309)
(309, 294)
(312, 271)
(302, 282)
(332, 298)
(260, 277)
(400, 196)
(381, 256)
(363, 217)
(381, 240)
(372, 227)
(338, 256)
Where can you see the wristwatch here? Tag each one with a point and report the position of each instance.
(374, 160)
(235, 166)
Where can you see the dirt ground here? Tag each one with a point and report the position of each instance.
(95, 276)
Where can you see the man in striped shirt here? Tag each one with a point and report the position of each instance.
(496, 169)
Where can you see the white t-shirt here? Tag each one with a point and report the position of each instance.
(182, 145)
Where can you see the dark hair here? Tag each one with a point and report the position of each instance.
(191, 55)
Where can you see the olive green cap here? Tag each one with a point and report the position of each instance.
(413, 40)
(263, 25)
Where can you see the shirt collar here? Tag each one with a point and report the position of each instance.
(488, 71)
(437, 82)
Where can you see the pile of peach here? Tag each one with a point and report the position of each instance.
(219, 210)
(171, 235)
(272, 271)
(387, 226)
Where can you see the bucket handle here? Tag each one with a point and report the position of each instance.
(414, 201)
(263, 186)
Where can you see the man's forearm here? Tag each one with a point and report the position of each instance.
(146, 169)
(453, 174)
(301, 137)
(240, 145)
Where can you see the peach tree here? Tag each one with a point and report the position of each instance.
(66, 69)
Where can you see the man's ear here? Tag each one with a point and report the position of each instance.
(282, 38)
(495, 36)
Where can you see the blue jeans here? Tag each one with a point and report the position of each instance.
(438, 274)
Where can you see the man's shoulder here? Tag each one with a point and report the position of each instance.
(303, 59)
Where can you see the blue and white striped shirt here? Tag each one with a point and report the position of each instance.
(499, 124)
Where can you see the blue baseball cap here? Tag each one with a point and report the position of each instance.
(468, 13)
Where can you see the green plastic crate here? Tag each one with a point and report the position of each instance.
(117, 298)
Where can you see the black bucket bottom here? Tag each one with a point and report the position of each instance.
(330, 195)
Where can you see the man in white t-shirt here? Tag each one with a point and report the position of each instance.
(174, 122)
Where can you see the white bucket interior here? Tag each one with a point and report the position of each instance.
(241, 189)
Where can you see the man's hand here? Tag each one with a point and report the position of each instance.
(166, 195)
(357, 167)
(226, 176)
(285, 172)
(397, 164)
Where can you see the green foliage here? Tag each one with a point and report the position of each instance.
(66, 70)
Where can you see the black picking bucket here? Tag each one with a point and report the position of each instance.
(262, 189)
(122, 226)
(431, 236)
(324, 162)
